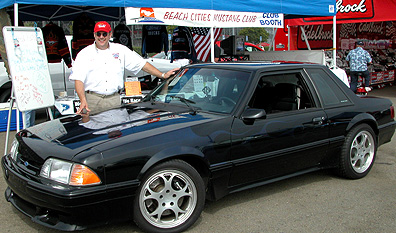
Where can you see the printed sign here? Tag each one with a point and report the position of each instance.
(349, 9)
(201, 18)
(319, 36)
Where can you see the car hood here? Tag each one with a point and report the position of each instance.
(69, 136)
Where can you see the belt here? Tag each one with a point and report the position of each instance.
(102, 95)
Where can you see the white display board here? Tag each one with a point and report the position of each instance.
(28, 64)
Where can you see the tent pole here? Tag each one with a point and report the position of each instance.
(305, 37)
(288, 37)
(16, 15)
(212, 56)
(272, 44)
(334, 41)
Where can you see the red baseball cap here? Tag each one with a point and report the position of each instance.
(102, 26)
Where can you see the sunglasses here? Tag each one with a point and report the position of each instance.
(98, 34)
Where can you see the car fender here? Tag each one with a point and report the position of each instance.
(180, 152)
(5, 81)
(363, 118)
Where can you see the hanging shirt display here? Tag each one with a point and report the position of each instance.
(155, 38)
(56, 44)
(183, 44)
(83, 27)
(122, 35)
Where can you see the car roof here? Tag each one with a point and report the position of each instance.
(253, 66)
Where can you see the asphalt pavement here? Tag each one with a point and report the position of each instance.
(316, 202)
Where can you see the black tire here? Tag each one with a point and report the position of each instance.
(358, 152)
(170, 199)
(5, 95)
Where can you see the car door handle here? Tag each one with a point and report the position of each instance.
(318, 120)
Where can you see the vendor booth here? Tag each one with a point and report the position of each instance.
(371, 21)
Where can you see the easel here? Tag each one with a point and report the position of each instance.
(31, 81)
(12, 101)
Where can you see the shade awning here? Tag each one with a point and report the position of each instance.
(49, 9)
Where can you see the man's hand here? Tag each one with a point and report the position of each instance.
(81, 95)
(171, 72)
(154, 71)
(83, 108)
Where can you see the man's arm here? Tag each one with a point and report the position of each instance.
(79, 86)
(154, 71)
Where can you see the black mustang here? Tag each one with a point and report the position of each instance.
(211, 130)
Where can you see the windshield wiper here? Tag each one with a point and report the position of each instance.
(186, 102)
(150, 98)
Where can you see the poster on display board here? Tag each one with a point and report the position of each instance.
(201, 18)
(28, 64)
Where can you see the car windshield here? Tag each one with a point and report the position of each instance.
(212, 90)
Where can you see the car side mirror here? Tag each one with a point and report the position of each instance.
(251, 114)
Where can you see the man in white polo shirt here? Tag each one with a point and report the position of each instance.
(98, 71)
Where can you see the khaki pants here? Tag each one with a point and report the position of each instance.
(99, 103)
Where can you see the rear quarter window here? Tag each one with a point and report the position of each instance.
(329, 92)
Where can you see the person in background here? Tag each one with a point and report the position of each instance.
(30, 117)
(217, 53)
(98, 71)
(358, 60)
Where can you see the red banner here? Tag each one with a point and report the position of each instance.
(319, 37)
(349, 9)
(376, 35)
(354, 11)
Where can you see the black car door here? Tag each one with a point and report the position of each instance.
(291, 139)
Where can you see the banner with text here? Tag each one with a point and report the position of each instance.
(375, 35)
(201, 18)
(354, 11)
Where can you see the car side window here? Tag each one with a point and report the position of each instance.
(329, 92)
(281, 92)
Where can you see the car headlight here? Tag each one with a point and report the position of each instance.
(14, 150)
(68, 173)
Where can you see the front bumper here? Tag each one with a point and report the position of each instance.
(68, 208)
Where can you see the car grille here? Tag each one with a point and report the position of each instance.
(26, 162)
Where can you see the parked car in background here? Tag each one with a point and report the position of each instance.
(5, 83)
(211, 130)
(249, 47)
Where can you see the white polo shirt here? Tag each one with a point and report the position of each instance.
(102, 71)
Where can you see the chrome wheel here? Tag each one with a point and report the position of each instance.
(168, 198)
(362, 151)
(358, 152)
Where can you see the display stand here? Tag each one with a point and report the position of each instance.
(31, 81)
(69, 105)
